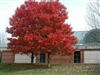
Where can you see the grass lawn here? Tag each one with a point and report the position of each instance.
(56, 69)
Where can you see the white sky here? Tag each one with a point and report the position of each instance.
(76, 8)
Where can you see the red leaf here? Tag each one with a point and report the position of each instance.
(39, 27)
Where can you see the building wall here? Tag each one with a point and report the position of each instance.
(57, 59)
(23, 58)
(7, 57)
(0, 57)
(82, 56)
(86, 56)
(62, 59)
(92, 56)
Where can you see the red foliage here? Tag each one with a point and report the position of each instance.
(39, 27)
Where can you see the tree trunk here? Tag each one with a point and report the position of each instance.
(48, 60)
(32, 56)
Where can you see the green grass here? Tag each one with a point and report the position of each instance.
(55, 69)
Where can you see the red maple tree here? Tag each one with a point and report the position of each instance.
(39, 27)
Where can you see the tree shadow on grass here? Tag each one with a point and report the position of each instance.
(12, 67)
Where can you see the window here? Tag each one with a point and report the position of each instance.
(42, 58)
(77, 57)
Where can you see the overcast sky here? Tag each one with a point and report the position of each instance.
(76, 8)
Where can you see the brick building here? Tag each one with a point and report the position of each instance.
(88, 51)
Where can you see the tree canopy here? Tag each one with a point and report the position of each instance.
(40, 27)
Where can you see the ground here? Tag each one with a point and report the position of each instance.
(55, 69)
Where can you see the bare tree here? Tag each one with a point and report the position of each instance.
(93, 21)
(93, 14)
(3, 38)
